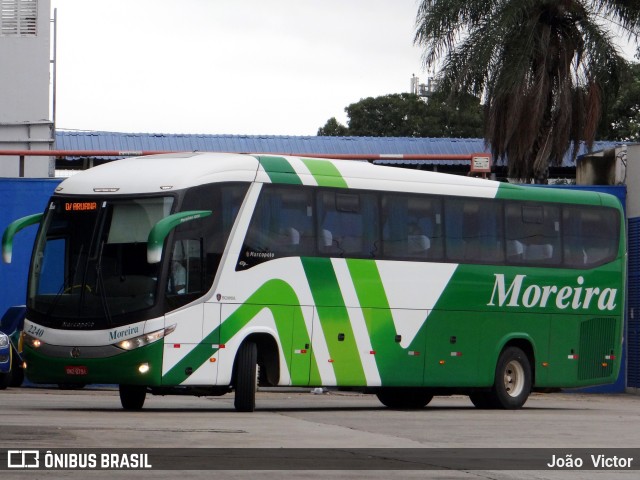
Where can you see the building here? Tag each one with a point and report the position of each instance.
(24, 97)
(381, 150)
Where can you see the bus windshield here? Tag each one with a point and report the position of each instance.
(89, 262)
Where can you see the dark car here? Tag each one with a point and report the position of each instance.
(11, 324)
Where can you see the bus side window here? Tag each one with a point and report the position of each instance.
(198, 246)
(474, 230)
(186, 268)
(533, 233)
(591, 235)
(281, 226)
(411, 227)
(348, 224)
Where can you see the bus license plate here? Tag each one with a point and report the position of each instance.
(76, 370)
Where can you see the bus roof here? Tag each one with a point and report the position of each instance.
(177, 171)
(160, 173)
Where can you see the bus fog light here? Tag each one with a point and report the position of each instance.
(143, 368)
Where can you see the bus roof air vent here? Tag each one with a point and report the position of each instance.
(106, 189)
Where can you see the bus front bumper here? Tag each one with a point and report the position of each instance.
(141, 366)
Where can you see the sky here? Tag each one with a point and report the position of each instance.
(254, 67)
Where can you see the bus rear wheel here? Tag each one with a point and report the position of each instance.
(132, 396)
(404, 398)
(513, 381)
(246, 378)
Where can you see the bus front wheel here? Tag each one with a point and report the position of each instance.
(404, 398)
(132, 396)
(245, 377)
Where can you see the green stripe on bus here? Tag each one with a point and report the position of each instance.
(325, 173)
(368, 283)
(276, 296)
(509, 191)
(334, 320)
(279, 170)
(394, 364)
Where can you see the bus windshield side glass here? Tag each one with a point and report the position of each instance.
(89, 261)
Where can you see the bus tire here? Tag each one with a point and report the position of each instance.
(513, 381)
(245, 377)
(404, 398)
(482, 400)
(132, 396)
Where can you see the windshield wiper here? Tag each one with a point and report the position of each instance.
(100, 285)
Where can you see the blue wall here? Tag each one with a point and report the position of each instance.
(632, 340)
(18, 198)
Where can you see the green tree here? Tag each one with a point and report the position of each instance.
(407, 115)
(453, 116)
(621, 121)
(543, 68)
(396, 115)
(333, 128)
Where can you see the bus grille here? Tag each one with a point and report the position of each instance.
(597, 342)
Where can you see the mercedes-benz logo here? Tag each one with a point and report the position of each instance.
(75, 352)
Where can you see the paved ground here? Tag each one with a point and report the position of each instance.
(37, 418)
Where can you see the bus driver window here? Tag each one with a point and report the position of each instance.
(178, 272)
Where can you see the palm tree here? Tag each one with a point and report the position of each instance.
(543, 68)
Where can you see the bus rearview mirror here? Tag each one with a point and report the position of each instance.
(11, 231)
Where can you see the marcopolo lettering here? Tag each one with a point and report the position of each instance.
(573, 297)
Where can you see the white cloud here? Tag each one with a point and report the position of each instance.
(217, 66)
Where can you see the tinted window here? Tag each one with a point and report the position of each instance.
(348, 224)
(412, 227)
(198, 245)
(591, 235)
(281, 226)
(533, 233)
(307, 221)
(474, 230)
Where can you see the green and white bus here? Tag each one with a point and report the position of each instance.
(205, 273)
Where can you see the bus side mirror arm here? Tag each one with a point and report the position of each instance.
(13, 228)
(161, 229)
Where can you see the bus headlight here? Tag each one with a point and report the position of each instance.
(4, 340)
(146, 339)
